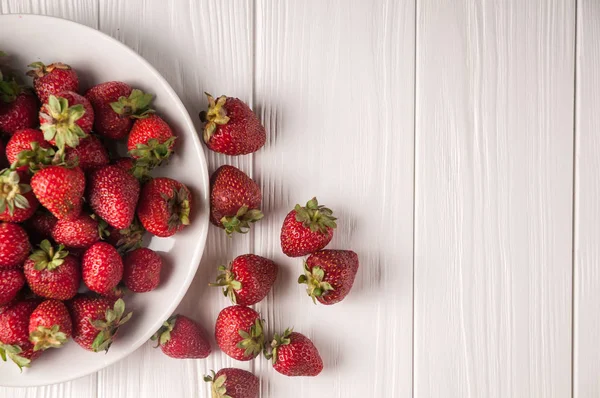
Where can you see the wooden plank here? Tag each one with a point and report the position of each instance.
(335, 89)
(493, 198)
(586, 355)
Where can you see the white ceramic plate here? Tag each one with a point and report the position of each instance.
(99, 58)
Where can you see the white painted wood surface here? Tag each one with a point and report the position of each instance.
(461, 113)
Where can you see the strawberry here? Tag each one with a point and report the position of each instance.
(14, 245)
(96, 321)
(231, 127)
(150, 141)
(248, 279)
(60, 189)
(14, 336)
(41, 224)
(18, 111)
(50, 325)
(65, 118)
(165, 206)
(101, 268)
(293, 354)
(113, 195)
(182, 338)
(137, 169)
(115, 106)
(239, 332)
(52, 272)
(307, 229)
(90, 153)
(233, 383)
(80, 232)
(17, 201)
(125, 163)
(126, 239)
(27, 149)
(52, 79)
(11, 282)
(329, 275)
(234, 200)
(142, 270)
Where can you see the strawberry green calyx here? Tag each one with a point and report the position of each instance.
(41, 70)
(278, 341)
(226, 279)
(217, 387)
(9, 89)
(114, 318)
(60, 122)
(316, 217)
(13, 353)
(136, 106)
(48, 257)
(314, 280)
(241, 221)
(129, 239)
(254, 342)
(34, 158)
(179, 206)
(217, 114)
(11, 192)
(154, 153)
(44, 338)
(163, 335)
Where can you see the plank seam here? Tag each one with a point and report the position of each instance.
(574, 204)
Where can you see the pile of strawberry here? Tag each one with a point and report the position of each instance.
(73, 216)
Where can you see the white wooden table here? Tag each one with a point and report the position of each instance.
(458, 142)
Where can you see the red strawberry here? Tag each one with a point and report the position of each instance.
(53, 79)
(90, 153)
(28, 149)
(80, 232)
(41, 224)
(17, 201)
(293, 354)
(307, 229)
(329, 275)
(18, 107)
(182, 338)
(126, 239)
(233, 383)
(125, 163)
(234, 200)
(14, 335)
(150, 141)
(65, 118)
(231, 127)
(11, 282)
(165, 206)
(142, 270)
(50, 325)
(239, 332)
(101, 268)
(113, 195)
(14, 245)
(137, 169)
(60, 190)
(52, 272)
(248, 279)
(96, 321)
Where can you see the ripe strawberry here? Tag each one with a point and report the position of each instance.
(101, 268)
(14, 336)
(11, 282)
(127, 239)
(27, 149)
(234, 200)
(116, 105)
(60, 190)
(182, 338)
(50, 325)
(18, 109)
(137, 169)
(233, 383)
(113, 195)
(150, 141)
(231, 127)
(239, 332)
(52, 79)
(165, 206)
(14, 245)
(17, 201)
(40, 225)
(293, 354)
(329, 275)
(307, 229)
(52, 272)
(90, 153)
(248, 279)
(65, 118)
(142, 270)
(96, 321)
(80, 232)
(125, 163)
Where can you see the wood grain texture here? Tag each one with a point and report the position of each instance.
(586, 364)
(334, 88)
(493, 198)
